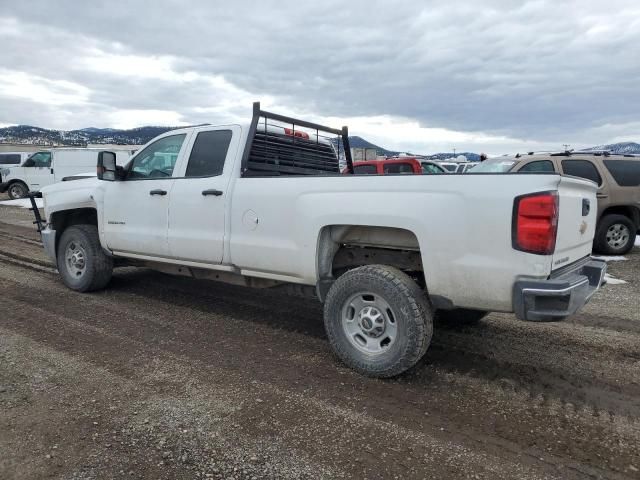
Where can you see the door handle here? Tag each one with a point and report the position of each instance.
(601, 195)
(158, 192)
(212, 191)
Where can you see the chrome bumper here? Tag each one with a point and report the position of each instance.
(559, 296)
(49, 242)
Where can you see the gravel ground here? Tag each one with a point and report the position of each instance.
(165, 377)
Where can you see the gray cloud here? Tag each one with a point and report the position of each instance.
(543, 71)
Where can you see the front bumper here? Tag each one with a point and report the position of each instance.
(49, 242)
(4, 187)
(563, 294)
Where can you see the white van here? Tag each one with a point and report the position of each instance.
(50, 166)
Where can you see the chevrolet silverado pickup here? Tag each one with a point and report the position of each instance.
(265, 205)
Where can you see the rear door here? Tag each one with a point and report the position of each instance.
(576, 220)
(201, 195)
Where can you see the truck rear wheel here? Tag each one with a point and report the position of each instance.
(82, 263)
(17, 190)
(615, 235)
(378, 320)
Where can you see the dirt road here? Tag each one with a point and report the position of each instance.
(164, 377)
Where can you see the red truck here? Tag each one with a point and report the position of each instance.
(397, 166)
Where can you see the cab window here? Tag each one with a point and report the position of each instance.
(208, 154)
(431, 168)
(364, 169)
(157, 160)
(397, 168)
(40, 159)
(539, 166)
(582, 169)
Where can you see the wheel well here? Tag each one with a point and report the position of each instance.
(344, 247)
(628, 211)
(62, 220)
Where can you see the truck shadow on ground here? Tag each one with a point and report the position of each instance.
(454, 349)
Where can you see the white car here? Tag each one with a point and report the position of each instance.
(267, 207)
(49, 166)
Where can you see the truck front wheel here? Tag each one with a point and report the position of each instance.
(82, 263)
(17, 190)
(378, 320)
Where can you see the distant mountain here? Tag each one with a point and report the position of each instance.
(622, 148)
(26, 134)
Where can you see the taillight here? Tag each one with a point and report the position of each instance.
(296, 133)
(535, 223)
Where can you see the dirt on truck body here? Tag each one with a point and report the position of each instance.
(170, 377)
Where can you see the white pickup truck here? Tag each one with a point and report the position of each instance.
(265, 205)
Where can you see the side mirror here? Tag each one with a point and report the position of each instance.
(107, 166)
(29, 163)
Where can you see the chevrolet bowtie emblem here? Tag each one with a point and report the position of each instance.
(583, 227)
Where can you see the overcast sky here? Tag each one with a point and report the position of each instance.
(496, 76)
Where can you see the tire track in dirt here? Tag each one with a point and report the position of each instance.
(191, 332)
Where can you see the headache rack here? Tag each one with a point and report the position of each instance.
(278, 145)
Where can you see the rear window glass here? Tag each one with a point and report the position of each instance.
(208, 154)
(626, 173)
(538, 166)
(494, 166)
(402, 168)
(9, 158)
(582, 169)
(364, 169)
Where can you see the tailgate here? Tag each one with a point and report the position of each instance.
(576, 220)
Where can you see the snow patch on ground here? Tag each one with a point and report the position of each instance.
(613, 280)
(610, 259)
(22, 203)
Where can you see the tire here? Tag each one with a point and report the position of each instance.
(17, 190)
(82, 263)
(378, 320)
(615, 235)
(459, 317)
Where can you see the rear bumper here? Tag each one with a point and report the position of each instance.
(4, 187)
(559, 296)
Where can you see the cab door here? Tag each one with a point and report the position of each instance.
(136, 209)
(37, 170)
(201, 197)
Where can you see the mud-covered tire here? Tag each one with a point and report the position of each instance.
(406, 312)
(90, 269)
(459, 317)
(615, 235)
(17, 190)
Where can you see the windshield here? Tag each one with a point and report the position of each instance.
(495, 165)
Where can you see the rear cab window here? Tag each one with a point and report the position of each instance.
(582, 169)
(364, 169)
(397, 168)
(626, 173)
(209, 153)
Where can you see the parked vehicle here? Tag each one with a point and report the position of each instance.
(49, 166)
(265, 206)
(10, 160)
(397, 166)
(618, 181)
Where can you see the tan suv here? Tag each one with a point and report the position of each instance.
(618, 179)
